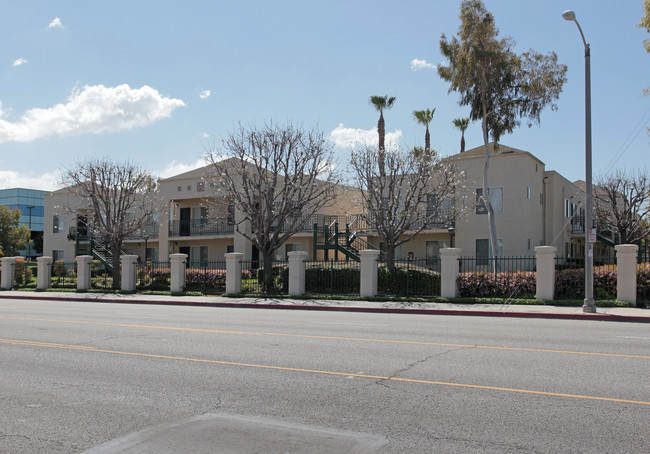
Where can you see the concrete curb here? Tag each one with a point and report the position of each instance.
(390, 310)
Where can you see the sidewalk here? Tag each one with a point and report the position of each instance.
(618, 314)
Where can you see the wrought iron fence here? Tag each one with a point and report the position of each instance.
(207, 277)
(411, 277)
(63, 275)
(497, 277)
(25, 274)
(570, 278)
(153, 275)
(253, 278)
(643, 281)
(332, 277)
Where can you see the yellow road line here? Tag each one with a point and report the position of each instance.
(320, 372)
(309, 336)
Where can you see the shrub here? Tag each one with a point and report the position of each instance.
(412, 281)
(327, 279)
(497, 285)
(197, 277)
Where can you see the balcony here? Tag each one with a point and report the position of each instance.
(201, 227)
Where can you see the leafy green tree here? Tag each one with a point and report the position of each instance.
(382, 103)
(500, 87)
(424, 117)
(462, 124)
(13, 238)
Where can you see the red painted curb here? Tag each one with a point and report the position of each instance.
(471, 313)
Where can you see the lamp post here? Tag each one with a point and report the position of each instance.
(29, 243)
(452, 232)
(590, 233)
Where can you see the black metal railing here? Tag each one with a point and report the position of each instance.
(201, 227)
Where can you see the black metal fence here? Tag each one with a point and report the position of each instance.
(332, 277)
(153, 276)
(643, 281)
(497, 277)
(570, 278)
(411, 277)
(253, 278)
(207, 277)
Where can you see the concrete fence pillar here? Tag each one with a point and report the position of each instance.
(84, 272)
(129, 272)
(369, 258)
(178, 263)
(297, 272)
(8, 275)
(545, 286)
(449, 268)
(626, 272)
(233, 272)
(43, 272)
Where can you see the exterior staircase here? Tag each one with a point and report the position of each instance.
(346, 242)
(99, 250)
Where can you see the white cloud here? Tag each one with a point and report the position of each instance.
(20, 61)
(92, 109)
(46, 182)
(416, 65)
(205, 135)
(205, 94)
(56, 23)
(175, 168)
(348, 137)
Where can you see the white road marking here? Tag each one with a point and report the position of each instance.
(634, 337)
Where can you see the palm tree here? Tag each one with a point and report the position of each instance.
(462, 124)
(381, 103)
(424, 117)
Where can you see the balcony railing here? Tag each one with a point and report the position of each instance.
(201, 227)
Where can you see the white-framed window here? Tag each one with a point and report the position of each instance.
(484, 250)
(496, 200)
(58, 224)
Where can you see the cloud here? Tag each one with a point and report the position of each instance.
(205, 135)
(347, 137)
(205, 94)
(20, 61)
(56, 23)
(417, 65)
(175, 168)
(48, 181)
(92, 109)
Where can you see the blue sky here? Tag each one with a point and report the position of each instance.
(153, 82)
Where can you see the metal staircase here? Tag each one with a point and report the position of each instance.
(346, 242)
(98, 249)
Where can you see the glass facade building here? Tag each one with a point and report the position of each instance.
(23, 199)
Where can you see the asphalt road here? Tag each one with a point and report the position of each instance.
(78, 376)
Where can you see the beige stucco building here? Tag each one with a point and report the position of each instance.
(533, 207)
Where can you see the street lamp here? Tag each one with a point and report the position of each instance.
(29, 243)
(590, 232)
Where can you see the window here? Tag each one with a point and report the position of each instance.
(200, 186)
(433, 248)
(199, 255)
(179, 188)
(566, 208)
(496, 200)
(199, 214)
(58, 224)
(231, 214)
(484, 250)
(58, 255)
(528, 193)
(151, 254)
(189, 187)
(528, 244)
(230, 248)
(541, 198)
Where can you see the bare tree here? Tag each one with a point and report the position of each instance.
(121, 198)
(416, 192)
(622, 204)
(277, 177)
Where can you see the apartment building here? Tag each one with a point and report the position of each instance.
(532, 207)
